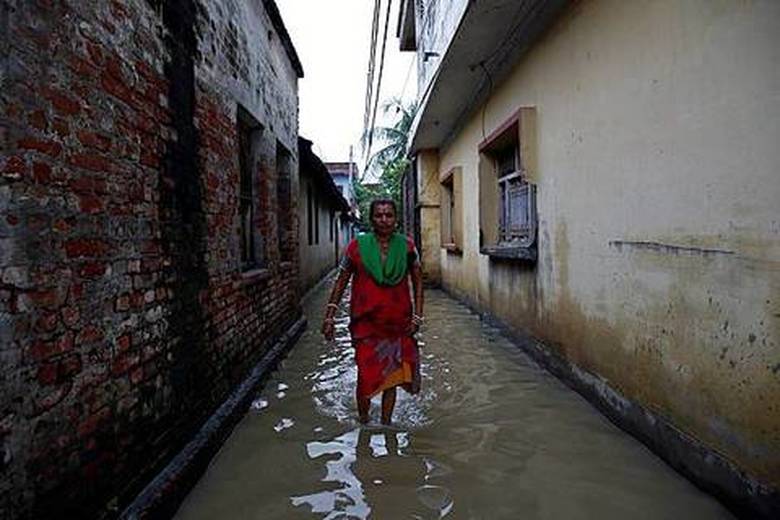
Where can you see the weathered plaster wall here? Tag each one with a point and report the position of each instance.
(320, 257)
(125, 317)
(428, 204)
(659, 222)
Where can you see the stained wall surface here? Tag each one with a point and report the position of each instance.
(659, 224)
(428, 201)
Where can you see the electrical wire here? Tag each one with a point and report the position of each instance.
(408, 74)
(379, 81)
(371, 63)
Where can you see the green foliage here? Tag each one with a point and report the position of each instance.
(388, 164)
(388, 187)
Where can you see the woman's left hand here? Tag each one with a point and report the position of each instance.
(415, 324)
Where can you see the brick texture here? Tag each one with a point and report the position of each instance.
(125, 318)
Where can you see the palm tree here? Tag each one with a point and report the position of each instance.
(394, 138)
(389, 163)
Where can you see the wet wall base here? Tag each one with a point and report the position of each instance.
(705, 468)
(163, 495)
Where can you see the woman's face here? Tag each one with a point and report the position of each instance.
(383, 219)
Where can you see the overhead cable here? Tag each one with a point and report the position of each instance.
(371, 63)
(379, 81)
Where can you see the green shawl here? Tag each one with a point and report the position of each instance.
(394, 268)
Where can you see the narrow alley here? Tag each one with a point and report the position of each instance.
(587, 189)
(486, 416)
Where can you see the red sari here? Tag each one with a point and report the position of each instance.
(385, 353)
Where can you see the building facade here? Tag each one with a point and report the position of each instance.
(602, 177)
(325, 217)
(148, 234)
(343, 174)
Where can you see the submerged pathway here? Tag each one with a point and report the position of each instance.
(490, 436)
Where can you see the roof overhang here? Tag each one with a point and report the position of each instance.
(310, 164)
(490, 39)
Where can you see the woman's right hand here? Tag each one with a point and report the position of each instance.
(328, 329)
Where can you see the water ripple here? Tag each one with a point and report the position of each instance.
(490, 435)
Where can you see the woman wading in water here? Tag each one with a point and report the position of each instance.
(382, 320)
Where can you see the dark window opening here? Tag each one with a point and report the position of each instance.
(316, 218)
(310, 214)
(248, 130)
(448, 212)
(284, 218)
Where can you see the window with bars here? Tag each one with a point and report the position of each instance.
(516, 211)
(507, 197)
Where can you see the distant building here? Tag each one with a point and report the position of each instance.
(603, 176)
(324, 215)
(343, 174)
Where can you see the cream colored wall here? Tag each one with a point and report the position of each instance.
(428, 190)
(657, 123)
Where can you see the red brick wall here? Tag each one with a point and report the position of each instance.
(125, 319)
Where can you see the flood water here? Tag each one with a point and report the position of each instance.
(491, 435)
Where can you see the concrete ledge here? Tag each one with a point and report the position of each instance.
(526, 253)
(163, 495)
(707, 469)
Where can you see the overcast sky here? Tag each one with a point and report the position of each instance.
(332, 38)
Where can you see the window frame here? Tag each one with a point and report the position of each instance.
(450, 204)
(332, 217)
(248, 131)
(515, 179)
(284, 203)
(310, 213)
(316, 218)
(518, 134)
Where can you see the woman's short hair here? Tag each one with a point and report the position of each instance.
(377, 202)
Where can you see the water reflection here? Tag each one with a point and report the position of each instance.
(348, 498)
(489, 436)
(333, 387)
(374, 476)
(284, 424)
(368, 470)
